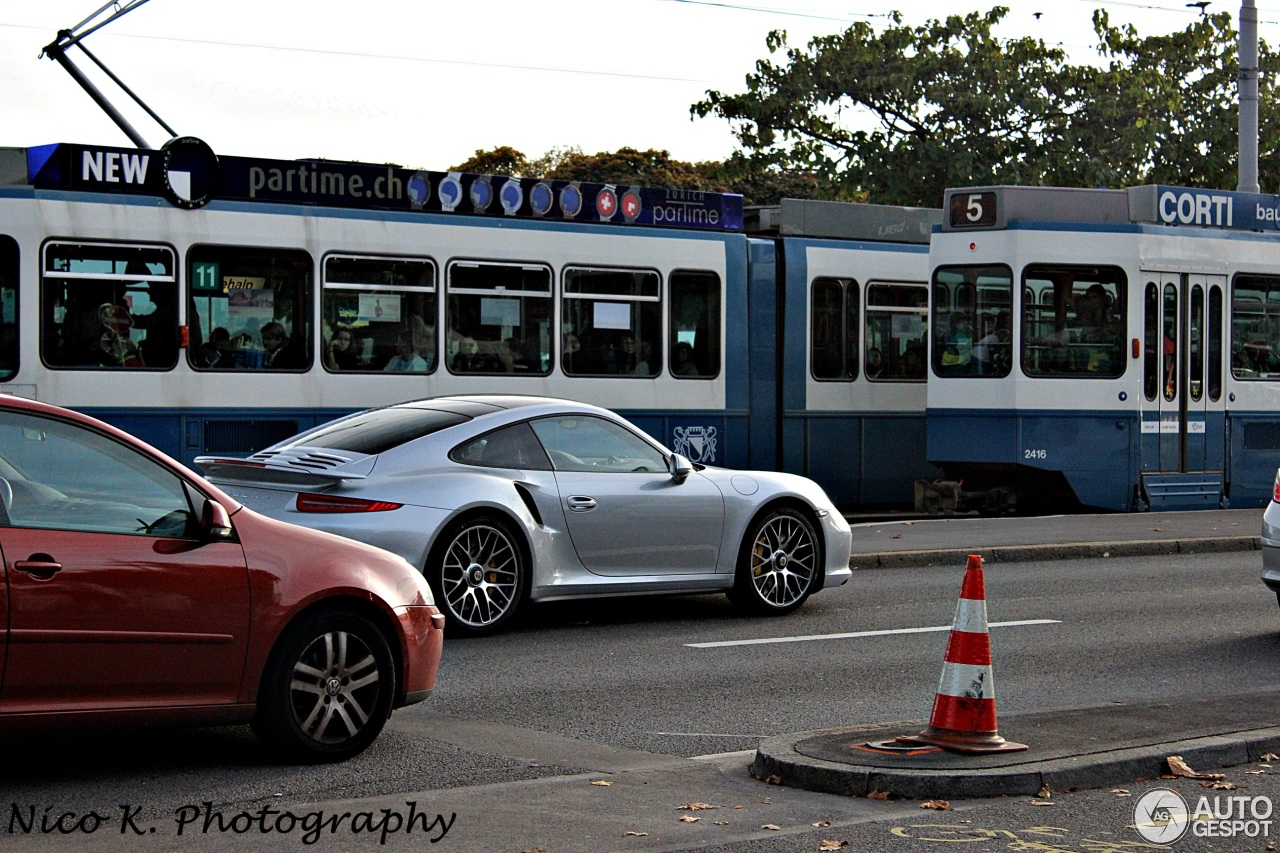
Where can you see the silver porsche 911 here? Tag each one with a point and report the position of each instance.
(505, 500)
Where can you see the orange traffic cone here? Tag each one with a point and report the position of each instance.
(964, 709)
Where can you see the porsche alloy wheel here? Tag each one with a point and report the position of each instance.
(481, 576)
(780, 563)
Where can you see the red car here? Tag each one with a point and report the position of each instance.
(136, 592)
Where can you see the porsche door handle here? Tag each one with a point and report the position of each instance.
(579, 503)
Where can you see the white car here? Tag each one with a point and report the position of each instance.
(502, 500)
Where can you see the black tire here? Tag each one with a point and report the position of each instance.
(327, 689)
(780, 564)
(480, 575)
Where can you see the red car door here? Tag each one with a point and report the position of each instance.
(109, 620)
(115, 600)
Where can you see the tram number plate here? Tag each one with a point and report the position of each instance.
(1028, 453)
(973, 210)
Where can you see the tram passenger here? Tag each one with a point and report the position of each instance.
(340, 353)
(115, 348)
(468, 359)
(991, 353)
(682, 360)
(218, 351)
(406, 360)
(648, 364)
(957, 345)
(875, 364)
(277, 352)
(912, 366)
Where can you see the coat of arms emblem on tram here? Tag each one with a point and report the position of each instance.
(696, 443)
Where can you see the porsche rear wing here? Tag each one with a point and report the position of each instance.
(293, 468)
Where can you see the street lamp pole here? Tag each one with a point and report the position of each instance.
(1248, 97)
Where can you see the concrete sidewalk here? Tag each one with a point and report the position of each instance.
(944, 541)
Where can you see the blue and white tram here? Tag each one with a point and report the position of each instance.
(214, 305)
(1115, 348)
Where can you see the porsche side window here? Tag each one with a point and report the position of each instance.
(588, 444)
(509, 447)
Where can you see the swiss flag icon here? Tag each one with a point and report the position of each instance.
(631, 205)
(606, 203)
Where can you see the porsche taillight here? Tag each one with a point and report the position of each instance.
(308, 502)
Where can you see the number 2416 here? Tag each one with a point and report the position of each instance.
(1035, 454)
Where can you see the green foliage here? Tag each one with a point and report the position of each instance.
(900, 115)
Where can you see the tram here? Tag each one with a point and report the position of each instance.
(1115, 349)
(215, 304)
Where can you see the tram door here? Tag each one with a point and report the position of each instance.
(1183, 419)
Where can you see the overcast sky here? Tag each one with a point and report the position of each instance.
(425, 84)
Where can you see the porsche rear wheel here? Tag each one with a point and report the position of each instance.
(480, 575)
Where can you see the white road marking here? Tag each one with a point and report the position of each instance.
(856, 634)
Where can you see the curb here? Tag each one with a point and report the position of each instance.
(1069, 551)
(777, 762)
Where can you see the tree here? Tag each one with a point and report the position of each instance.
(900, 115)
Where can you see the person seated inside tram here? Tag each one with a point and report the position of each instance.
(115, 348)
(468, 359)
(406, 359)
(218, 351)
(340, 352)
(875, 364)
(278, 352)
(682, 360)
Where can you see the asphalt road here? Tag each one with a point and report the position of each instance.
(522, 724)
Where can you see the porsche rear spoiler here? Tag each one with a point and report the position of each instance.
(294, 467)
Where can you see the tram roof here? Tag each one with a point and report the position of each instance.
(843, 220)
(989, 208)
(189, 174)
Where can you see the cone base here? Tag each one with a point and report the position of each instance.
(969, 743)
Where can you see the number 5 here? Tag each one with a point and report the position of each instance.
(974, 212)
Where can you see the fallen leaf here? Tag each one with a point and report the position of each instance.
(604, 783)
(1220, 785)
(775, 779)
(1044, 793)
(722, 823)
(1254, 772)
(696, 807)
(1157, 529)
(1121, 792)
(1269, 756)
(907, 523)
(832, 845)
(897, 536)
(1178, 767)
(878, 795)
(938, 805)
(739, 806)
(821, 823)
(770, 826)
(632, 832)
(1042, 803)
(689, 819)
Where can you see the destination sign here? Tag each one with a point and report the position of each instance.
(369, 186)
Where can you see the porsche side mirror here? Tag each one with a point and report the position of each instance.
(679, 467)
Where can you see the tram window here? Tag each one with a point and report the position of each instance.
(695, 324)
(378, 314)
(611, 323)
(833, 329)
(971, 321)
(250, 308)
(8, 307)
(1170, 342)
(1255, 327)
(897, 325)
(499, 318)
(1078, 325)
(1215, 343)
(108, 306)
(1151, 341)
